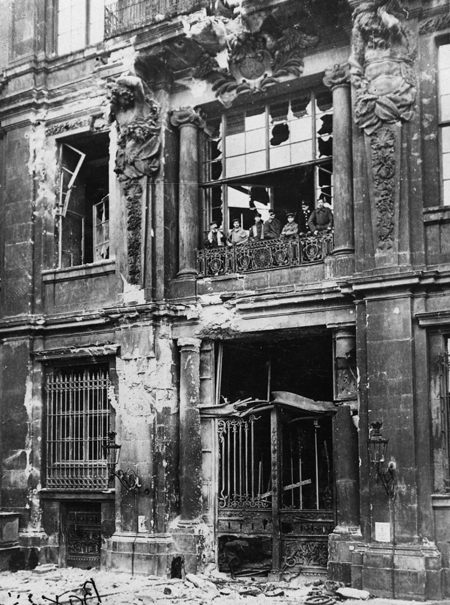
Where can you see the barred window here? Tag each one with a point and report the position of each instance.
(78, 414)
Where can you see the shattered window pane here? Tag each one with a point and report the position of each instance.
(235, 123)
(280, 134)
(300, 106)
(279, 111)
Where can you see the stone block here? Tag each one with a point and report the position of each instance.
(340, 572)
(9, 529)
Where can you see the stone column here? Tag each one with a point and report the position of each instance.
(345, 432)
(345, 456)
(188, 121)
(190, 435)
(338, 79)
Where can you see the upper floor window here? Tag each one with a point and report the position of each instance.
(269, 157)
(444, 119)
(78, 419)
(83, 201)
(80, 23)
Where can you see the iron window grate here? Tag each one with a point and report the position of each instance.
(78, 420)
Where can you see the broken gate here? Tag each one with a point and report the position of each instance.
(275, 487)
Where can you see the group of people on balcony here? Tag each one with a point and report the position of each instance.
(318, 221)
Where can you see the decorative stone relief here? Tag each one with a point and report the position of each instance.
(242, 56)
(137, 117)
(382, 65)
(68, 125)
(383, 143)
(338, 75)
(434, 24)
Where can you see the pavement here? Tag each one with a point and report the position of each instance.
(48, 584)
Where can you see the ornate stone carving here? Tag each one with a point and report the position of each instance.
(67, 126)
(338, 75)
(383, 144)
(434, 24)
(137, 118)
(240, 57)
(382, 65)
(187, 115)
(305, 554)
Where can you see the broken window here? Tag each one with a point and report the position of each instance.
(79, 23)
(78, 419)
(444, 119)
(83, 201)
(269, 156)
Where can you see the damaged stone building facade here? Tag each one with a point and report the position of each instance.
(243, 385)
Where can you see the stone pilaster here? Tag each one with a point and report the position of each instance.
(190, 435)
(188, 121)
(338, 79)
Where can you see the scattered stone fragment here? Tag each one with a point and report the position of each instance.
(45, 568)
(167, 590)
(353, 593)
(225, 591)
(250, 592)
(278, 592)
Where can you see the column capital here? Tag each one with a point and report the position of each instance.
(190, 344)
(338, 75)
(187, 116)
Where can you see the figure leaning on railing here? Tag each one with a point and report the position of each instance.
(321, 219)
(237, 235)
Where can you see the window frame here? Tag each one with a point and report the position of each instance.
(85, 161)
(225, 181)
(442, 125)
(88, 33)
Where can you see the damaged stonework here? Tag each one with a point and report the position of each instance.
(243, 54)
(137, 117)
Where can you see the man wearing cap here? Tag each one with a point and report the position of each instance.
(290, 230)
(237, 235)
(321, 219)
(256, 230)
(215, 238)
(272, 227)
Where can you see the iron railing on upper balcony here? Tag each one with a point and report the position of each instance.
(264, 254)
(126, 15)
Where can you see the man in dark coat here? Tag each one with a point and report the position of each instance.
(321, 218)
(272, 227)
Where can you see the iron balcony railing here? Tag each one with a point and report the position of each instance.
(264, 255)
(125, 15)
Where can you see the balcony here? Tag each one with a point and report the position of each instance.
(264, 255)
(126, 15)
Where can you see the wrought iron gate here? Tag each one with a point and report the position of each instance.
(83, 535)
(276, 488)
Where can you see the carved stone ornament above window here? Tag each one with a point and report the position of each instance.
(382, 65)
(137, 117)
(239, 59)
